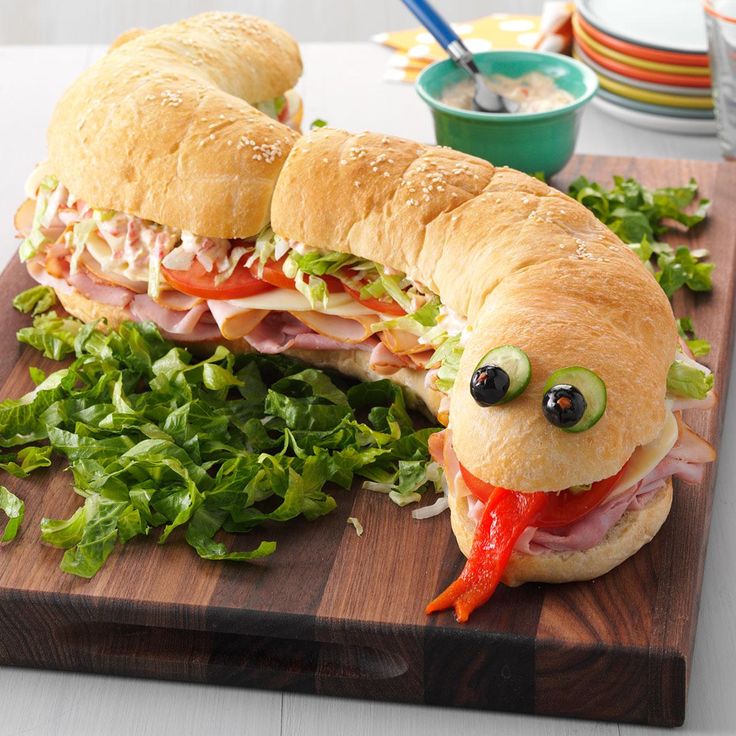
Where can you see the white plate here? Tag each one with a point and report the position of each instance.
(671, 25)
(669, 89)
(661, 123)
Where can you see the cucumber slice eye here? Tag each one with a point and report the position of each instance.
(501, 375)
(574, 399)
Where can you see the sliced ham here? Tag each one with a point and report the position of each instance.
(314, 341)
(115, 296)
(176, 300)
(691, 447)
(280, 331)
(420, 360)
(583, 534)
(235, 322)
(191, 326)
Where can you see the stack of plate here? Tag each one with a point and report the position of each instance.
(651, 59)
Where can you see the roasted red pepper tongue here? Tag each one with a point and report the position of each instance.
(505, 517)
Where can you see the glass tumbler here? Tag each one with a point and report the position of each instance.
(720, 21)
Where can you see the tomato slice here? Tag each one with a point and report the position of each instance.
(567, 507)
(479, 488)
(273, 273)
(561, 509)
(196, 281)
(377, 305)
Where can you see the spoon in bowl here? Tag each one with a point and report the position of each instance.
(484, 98)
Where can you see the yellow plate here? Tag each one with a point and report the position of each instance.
(654, 98)
(689, 71)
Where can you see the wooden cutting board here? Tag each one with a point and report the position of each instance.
(339, 614)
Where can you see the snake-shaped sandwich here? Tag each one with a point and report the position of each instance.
(502, 305)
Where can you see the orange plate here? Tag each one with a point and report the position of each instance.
(643, 74)
(641, 52)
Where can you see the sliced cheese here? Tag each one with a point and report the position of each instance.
(289, 300)
(647, 457)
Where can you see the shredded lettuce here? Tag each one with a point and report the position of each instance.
(14, 509)
(273, 107)
(684, 379)
(387, 285)
(35, 300)
(160, 443)
(54, 336)
(698, 347)
(26, 461)
(447, 361)
(320, 263)
(683, 267)
(355, 523)
(313, 288)
(35, 239)
(78, 240)
(639, 215)
(420, 323)
(265, 249)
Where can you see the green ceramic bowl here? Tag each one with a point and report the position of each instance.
(531, 142)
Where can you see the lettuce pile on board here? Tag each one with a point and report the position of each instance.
(156, 439)
(639, 215)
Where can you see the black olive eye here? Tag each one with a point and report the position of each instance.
(489, 385)
(574, 398)
(500, 376)
(563, 405)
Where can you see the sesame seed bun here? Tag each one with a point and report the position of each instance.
(163, 126)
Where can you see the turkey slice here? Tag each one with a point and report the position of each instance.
(234, 321)
(350, 330)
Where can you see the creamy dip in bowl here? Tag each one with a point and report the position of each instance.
(534, 92)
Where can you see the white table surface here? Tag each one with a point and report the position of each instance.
(342, 84)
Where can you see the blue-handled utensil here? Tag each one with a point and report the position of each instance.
(484, 99)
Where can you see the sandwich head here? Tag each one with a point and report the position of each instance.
(603, 313)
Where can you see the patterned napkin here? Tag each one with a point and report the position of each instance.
(415, 49)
